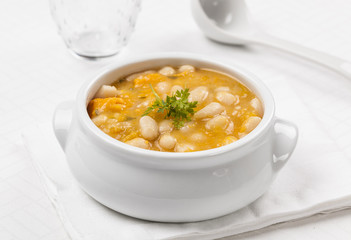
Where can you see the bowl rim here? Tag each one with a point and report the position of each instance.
(244, 76)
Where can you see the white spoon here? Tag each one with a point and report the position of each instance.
(227, 21)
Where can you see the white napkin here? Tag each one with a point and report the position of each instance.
(315, 180)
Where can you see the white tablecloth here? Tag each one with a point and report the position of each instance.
(37, 72)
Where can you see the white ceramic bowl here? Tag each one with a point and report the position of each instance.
(166, 186)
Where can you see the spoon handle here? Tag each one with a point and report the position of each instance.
(334, 63)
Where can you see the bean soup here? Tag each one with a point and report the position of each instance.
(176, 109)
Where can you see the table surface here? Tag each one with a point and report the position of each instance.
(33, 57)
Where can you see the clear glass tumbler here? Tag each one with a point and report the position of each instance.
(95, 28)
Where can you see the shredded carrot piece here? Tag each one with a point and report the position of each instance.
(99, 105)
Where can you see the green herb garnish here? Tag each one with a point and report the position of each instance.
(176, 107)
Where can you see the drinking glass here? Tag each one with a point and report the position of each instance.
(95, 28)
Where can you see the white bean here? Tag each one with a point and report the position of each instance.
(176, 88)
(199, 94)
(133, 77)
(148, 128)
(162, 87)
(184, 147)
(106, 91)
(250, 123)
(167, 141)
(139, 142)
(217, 123)
(165, 126)
(186, 68)
(256, 104)
(148, 72)
(222, 89)
(230, 128)
(198, 137)
(225, 97)
(166, 71)
(138, 75)
(99, 120)
(210, 110)
(229, 140)
(241, 135)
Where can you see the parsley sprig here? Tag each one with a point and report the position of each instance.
(176, 107)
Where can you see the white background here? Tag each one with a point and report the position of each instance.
(37, 72)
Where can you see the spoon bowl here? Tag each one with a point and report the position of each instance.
(224, 21)
(229, 15)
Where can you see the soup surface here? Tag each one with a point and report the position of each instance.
(180, 109)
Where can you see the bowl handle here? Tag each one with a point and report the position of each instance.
(285, 139)
(62, 120)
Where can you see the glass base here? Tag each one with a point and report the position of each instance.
(93, 58)
(95, 45)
